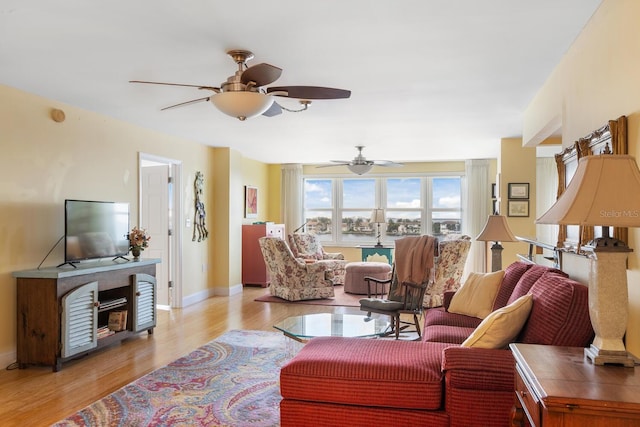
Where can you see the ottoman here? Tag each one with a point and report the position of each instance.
(356, 271)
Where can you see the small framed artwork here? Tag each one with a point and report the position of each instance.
(494, 194)
(250, 201)
(495, 208)
(519, 190)
(518, 208)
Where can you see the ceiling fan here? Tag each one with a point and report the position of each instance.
(243, 95)
(360, 165)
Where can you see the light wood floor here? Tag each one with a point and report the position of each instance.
(36, 396)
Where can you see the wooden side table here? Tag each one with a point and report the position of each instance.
(559, 386)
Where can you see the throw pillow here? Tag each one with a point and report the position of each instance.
(502, 326)
(475, 298)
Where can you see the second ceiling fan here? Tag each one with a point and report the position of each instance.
(360, 165)
(243, 94)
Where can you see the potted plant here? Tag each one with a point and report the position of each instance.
(138, 240)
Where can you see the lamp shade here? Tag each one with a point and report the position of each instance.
(604, 191)
(242, 105)
(496, 230)
(377, 216)
(360, 169)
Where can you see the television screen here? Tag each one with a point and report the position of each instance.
(95, 230)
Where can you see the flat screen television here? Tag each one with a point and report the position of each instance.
(94, 229)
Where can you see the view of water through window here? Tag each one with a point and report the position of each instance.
(339, 209)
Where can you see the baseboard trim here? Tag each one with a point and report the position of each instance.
(197, 297)
(228, 291)
(211, 292)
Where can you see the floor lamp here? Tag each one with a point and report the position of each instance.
(377, 216)
(496, 230)
(603, 192)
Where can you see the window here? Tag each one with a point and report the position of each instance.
(319, 207)
(413, 206)
(404, 207)
(358, 200)
(446, 206)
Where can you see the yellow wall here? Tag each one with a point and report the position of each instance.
(597, 80)
(275, 194)
(517, 164)
(88, 156)
(256, 174)
(228, 205)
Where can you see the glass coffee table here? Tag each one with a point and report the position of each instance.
(302, 328)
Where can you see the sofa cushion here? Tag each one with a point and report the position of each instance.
(501, 326)
(439, 316)
(560, 313)
(512, 275)
(356, 371)
(529, 278)
(447, 334)
(476, 296)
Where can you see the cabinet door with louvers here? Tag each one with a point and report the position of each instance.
(80, 319)
(144, 302)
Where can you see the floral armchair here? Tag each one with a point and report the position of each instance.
(452, 257)
(292, 278)
(308, 246)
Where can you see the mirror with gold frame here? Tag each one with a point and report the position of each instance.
(613, 137)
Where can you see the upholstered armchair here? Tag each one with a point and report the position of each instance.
(308, 247)
(292, 278)
(453, 252)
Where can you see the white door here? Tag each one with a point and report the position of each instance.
(154, 211)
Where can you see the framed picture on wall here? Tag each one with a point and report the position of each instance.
(518, 190)
(518, 208)
(250, 201)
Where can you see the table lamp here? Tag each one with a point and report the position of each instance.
(377, 216)
(496, 230)
(603, 192)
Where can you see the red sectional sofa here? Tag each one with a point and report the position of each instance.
(434, 382)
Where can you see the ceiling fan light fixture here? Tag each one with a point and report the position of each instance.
(360, 169)
(242, 105)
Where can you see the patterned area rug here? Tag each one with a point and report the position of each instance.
(231, 381)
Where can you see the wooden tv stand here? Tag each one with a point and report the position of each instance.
(60, 309)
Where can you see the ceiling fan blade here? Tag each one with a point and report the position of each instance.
(261, 74)
(182, 104)
(387, 163)
(338, 163)
(215, 89)
(274, 110)
(311, 92)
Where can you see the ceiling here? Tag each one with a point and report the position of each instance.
(430, 79)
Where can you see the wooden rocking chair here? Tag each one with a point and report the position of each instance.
(414, 257)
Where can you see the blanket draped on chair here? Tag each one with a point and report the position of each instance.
(414, 258)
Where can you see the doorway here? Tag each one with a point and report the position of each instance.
(160, 214)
